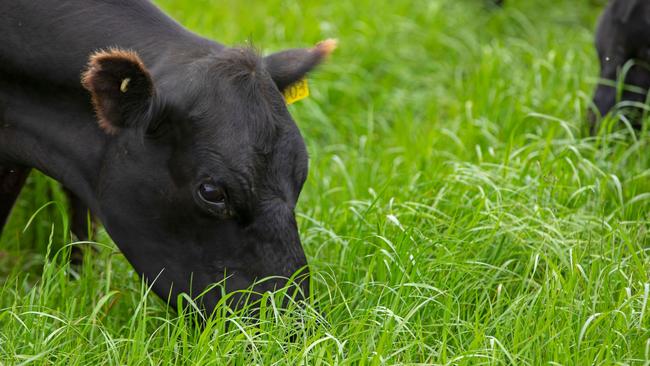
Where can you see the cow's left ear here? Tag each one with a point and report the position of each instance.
(121, 88)
(288, 67)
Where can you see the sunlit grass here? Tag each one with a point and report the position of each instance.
(456, 210)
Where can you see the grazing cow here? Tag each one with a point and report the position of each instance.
(182, 147)
(623, 35)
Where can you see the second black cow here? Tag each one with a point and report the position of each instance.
(181, 146)
(623, 45)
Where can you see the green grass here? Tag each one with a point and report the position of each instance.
(456, 211)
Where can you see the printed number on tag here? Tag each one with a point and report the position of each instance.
(296, 91)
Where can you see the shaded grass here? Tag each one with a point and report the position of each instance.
(455, 213)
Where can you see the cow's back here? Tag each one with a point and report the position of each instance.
(51, 39)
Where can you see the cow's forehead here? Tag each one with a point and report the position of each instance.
(234, 85)
(234, 113)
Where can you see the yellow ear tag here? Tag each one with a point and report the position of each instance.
(296, 91)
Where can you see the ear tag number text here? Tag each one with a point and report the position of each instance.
(296, 91)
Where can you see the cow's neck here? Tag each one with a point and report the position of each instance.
(50, 129)
(51, 40)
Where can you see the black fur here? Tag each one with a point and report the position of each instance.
(623, 36)
(212, 113)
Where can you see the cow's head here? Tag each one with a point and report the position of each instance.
(203, 168)
(623, 35)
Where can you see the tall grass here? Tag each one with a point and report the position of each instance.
(456, 211)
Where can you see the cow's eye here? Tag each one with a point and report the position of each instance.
(213, 194)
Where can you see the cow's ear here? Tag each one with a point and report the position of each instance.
(287, 67)
(121, 88)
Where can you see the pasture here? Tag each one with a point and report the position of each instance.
(456, 212)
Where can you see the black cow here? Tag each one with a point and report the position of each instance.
(182, 147)
(623, 36)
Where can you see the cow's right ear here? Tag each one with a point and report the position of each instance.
(288, 67)
(121, 88)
